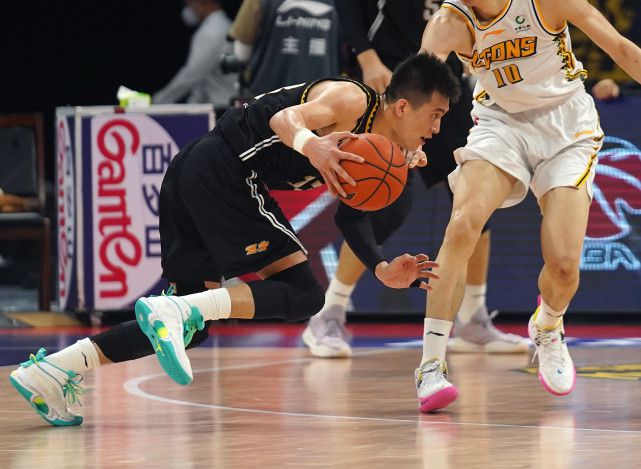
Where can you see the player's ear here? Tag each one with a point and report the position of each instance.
(401, 106)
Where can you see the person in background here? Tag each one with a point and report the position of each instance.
(286, 42)
(200, 80)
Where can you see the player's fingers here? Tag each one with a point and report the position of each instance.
(344, 175)
(422, 258)
(351, 157)
(425, 286)
(344, 135)
(428, 264)
(428, 274)
(335, 184)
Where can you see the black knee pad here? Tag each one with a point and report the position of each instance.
(123, 342)
(293, 294)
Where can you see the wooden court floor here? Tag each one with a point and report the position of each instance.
(279, 408)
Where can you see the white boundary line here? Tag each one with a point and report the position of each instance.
(132, 386)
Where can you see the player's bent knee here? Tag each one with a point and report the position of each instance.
(293, 294)
(306, 304)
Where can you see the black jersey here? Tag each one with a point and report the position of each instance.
(391, 27)
(247, 131)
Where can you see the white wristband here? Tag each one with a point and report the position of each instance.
(301, 138)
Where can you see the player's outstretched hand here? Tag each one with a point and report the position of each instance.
(405, 269)
(416, 158)
(325, 155)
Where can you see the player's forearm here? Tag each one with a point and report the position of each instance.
(356, 228)
(628, 56)
(287, 124)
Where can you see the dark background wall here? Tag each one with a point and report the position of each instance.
(64, 52)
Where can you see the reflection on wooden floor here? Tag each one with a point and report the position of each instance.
(278, 408)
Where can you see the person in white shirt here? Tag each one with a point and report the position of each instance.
(200, 79)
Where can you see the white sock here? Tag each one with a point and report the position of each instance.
(338, 293)
(435, 335)
(213, 304)
(473, 299)
(548, 318)
(79, 357)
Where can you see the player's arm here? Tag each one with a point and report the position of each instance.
(447, 31)
(375, 73)
(341, 102)
(589, 20)
(402, 272)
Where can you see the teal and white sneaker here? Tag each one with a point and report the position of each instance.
(170, 322)
(49, 389)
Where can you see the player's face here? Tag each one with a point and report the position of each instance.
(419, 124)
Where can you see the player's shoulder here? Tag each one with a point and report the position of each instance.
(451, 14)
(347, 94)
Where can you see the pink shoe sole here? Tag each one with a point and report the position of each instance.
(557, 393)
(438, 400)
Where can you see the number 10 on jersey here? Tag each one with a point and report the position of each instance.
(510, 74)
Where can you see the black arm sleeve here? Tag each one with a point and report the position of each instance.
(357, 230)
(352, 16)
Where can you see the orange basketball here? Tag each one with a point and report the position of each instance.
(380, 179)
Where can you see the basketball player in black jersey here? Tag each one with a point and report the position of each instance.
(382, 34)
(217, 220)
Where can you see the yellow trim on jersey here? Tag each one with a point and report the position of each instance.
(463, 57)
(583, 132)
(548, 29)
(370, 118)
(481, 96)
(494, 21)
(469, 25)
(586, 173)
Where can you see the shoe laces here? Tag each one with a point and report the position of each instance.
(434, 366)
(551, 343)
(191, 325)
(71, 388)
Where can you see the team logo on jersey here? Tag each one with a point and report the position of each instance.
(256, 247)
(522, 26)
(310, 6)
(517, 48)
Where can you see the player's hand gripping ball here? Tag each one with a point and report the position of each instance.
(380, 179)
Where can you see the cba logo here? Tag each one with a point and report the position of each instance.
(617, 203)
(520, 20)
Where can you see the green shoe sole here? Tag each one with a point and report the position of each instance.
(164, 349)
(41, 408)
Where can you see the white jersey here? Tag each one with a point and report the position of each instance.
(520, 62)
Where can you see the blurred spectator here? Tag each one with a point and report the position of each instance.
(286, 42)
(201, 79)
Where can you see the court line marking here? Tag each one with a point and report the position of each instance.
(132, 386)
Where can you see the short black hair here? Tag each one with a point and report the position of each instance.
(419, 76)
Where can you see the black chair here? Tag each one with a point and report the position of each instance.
(22, 213)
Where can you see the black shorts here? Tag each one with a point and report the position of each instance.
(216, 218)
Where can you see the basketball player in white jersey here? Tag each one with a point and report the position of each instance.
(535, 127)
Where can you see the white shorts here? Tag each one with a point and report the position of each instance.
(542, 148)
